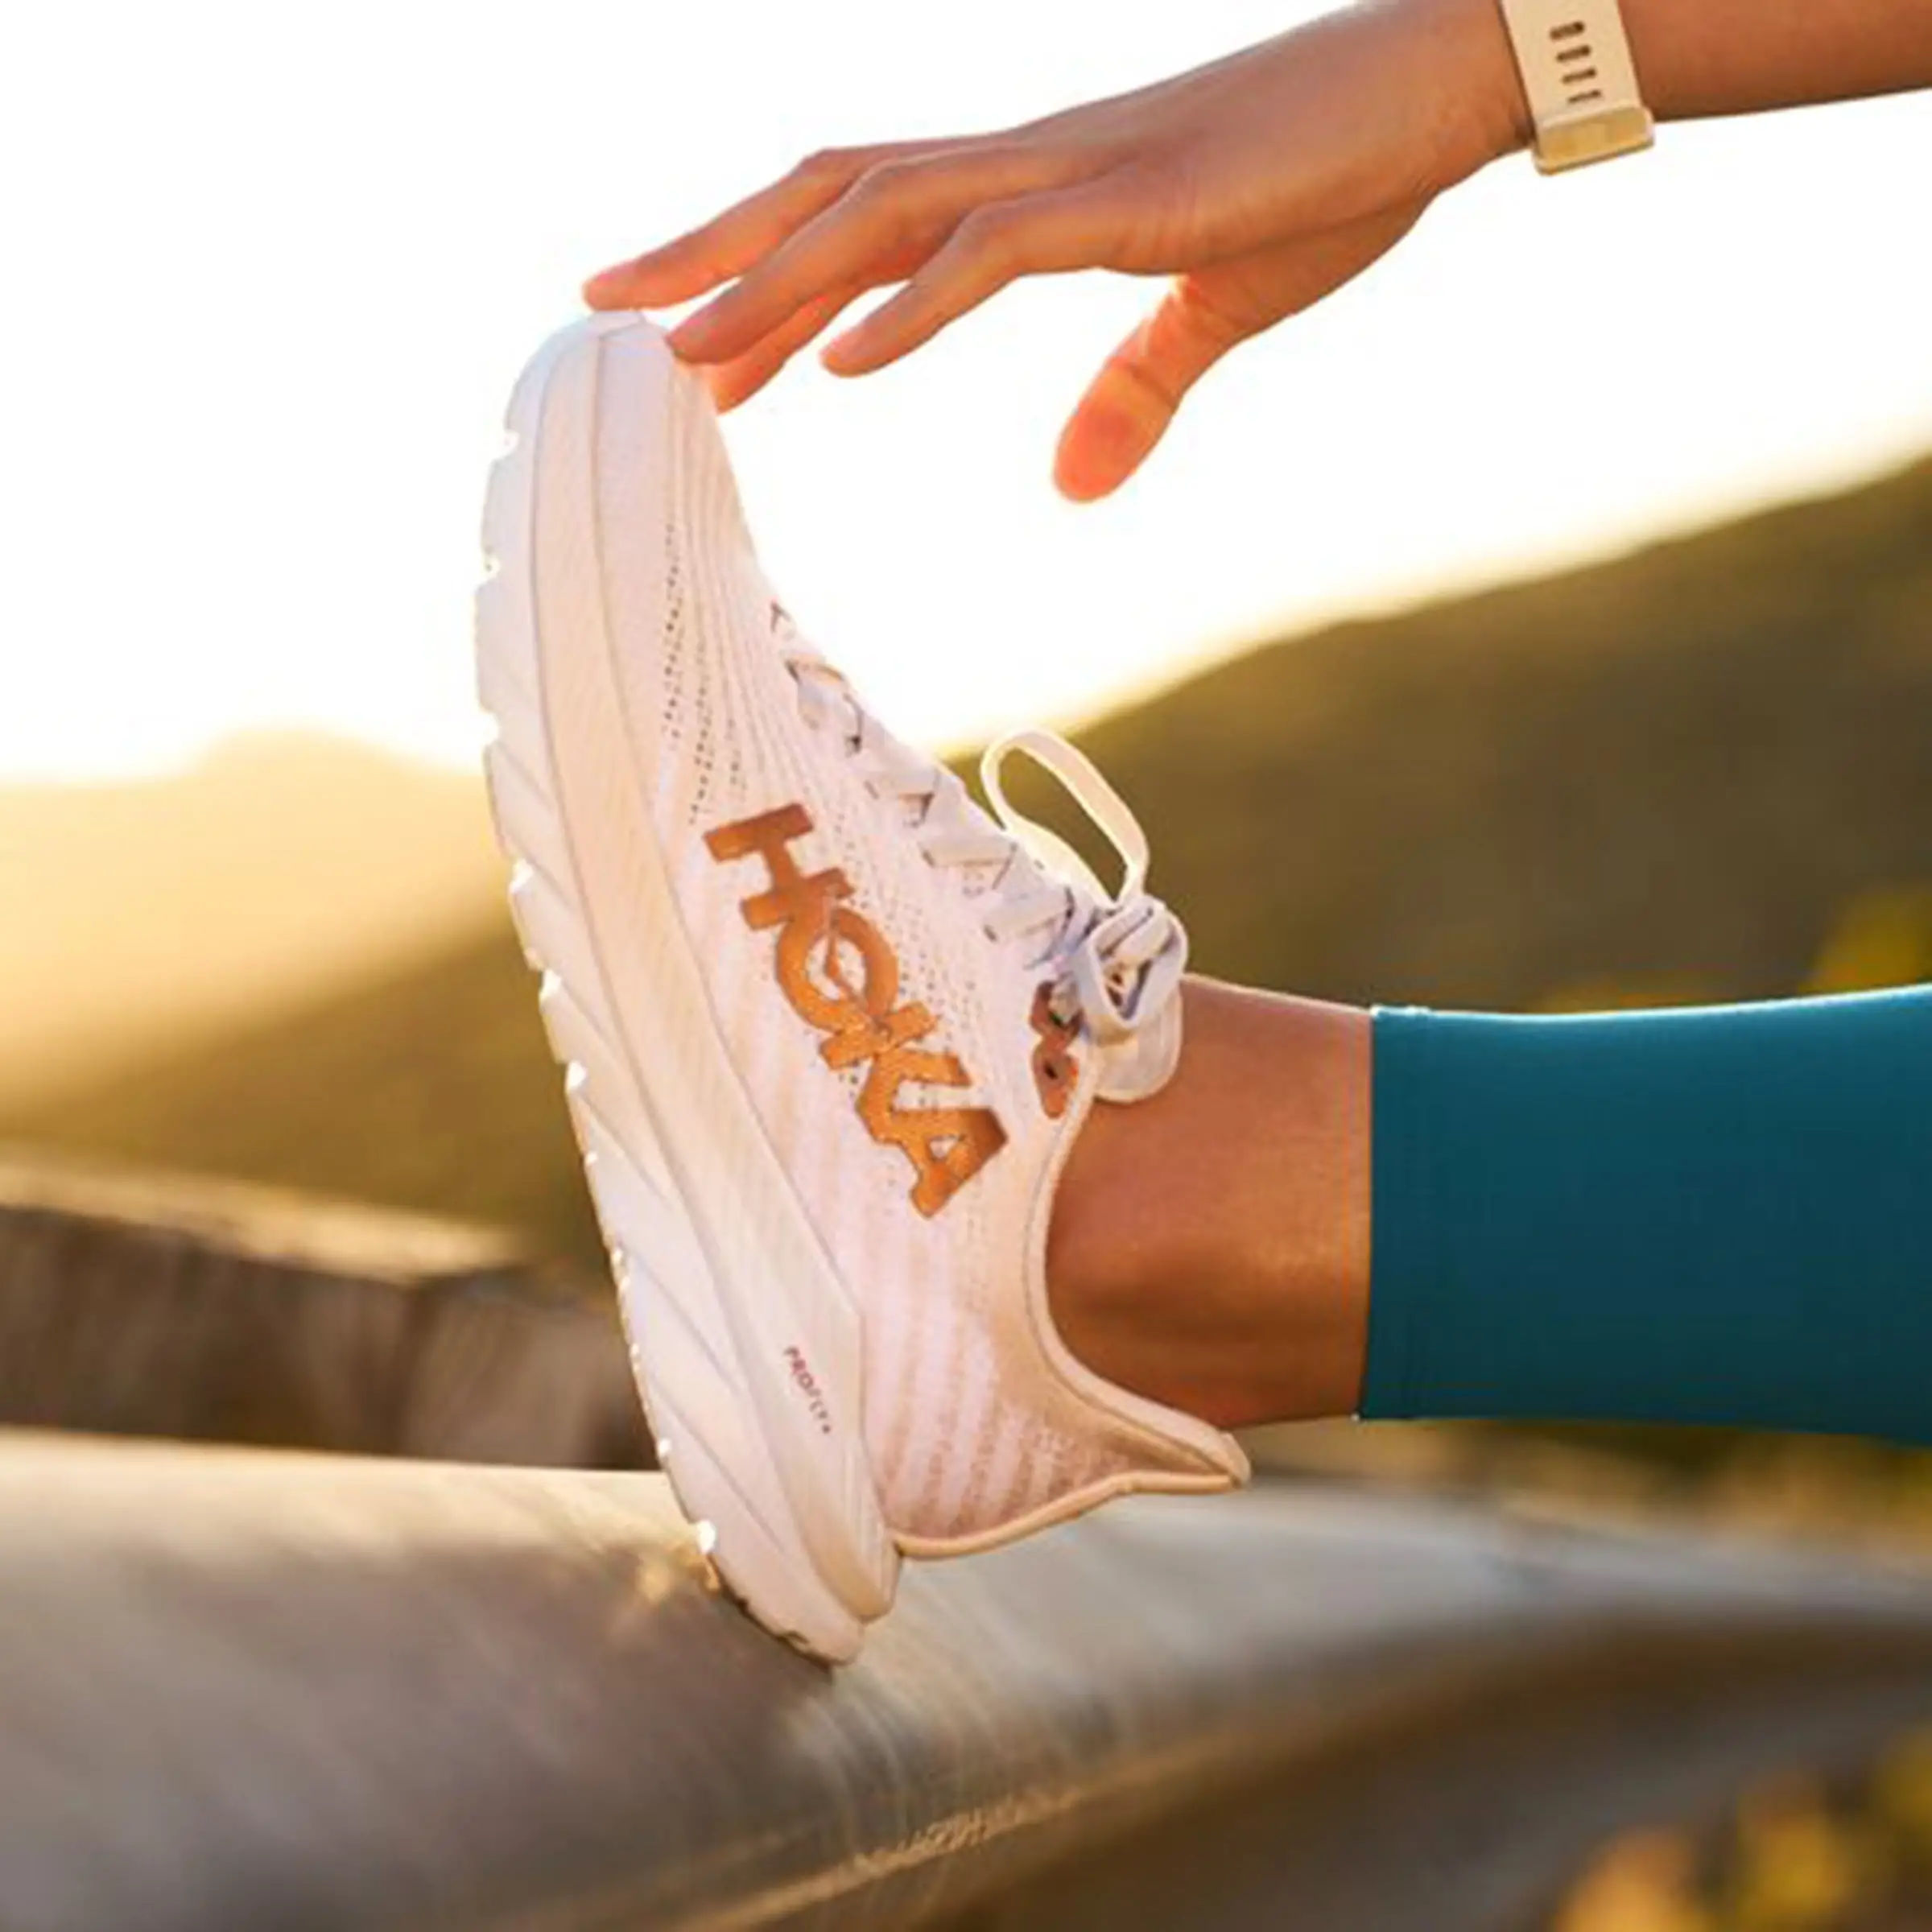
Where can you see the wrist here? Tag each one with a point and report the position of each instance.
(1485, 113)
(1579, 78)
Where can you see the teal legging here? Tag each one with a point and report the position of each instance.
(1714, 1216)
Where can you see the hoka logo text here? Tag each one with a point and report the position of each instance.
(859, 1012)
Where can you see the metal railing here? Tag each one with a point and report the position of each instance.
(241, 1687)
(165, 1305)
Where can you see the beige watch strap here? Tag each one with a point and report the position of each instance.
(1581, 83)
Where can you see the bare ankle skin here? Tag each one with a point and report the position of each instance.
(1210, 1246)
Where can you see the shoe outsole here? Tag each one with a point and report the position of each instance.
(796, 1539)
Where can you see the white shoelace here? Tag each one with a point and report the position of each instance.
(1116, 958)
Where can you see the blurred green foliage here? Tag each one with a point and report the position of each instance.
(1800, 1854)
(1674, 772)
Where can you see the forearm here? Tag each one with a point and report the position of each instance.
(1704, 1216)
(1738, 57)
(1693, 58)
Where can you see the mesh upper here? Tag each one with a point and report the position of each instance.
(968, 1425)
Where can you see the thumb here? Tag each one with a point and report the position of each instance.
(1128, 404)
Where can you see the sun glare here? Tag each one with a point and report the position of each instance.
(286, 262)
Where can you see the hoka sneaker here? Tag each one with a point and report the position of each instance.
(830, 1029)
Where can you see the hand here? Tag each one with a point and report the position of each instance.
(1261, 183)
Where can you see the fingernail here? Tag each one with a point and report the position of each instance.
(606, 285)
(1079, 483)
(843, 354)
(688, 338)
(1098, 456)
(1119, 436)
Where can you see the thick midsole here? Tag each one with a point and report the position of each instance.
(771, 1298)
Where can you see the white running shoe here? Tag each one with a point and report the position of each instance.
(829, 1029)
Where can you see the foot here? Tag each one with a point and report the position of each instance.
(831, 1031)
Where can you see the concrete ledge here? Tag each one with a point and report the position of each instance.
(240, 1688)
(163, 1306)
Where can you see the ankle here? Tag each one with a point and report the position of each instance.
(1209, 1246)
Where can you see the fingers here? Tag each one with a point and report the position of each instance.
(741, 378)
(746, 337)
(899, 210)
(730, 243)
(1127, 406)
(1067, 228)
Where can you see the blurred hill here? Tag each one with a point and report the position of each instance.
(1703, 770)
(1672, 772)
(280, 869)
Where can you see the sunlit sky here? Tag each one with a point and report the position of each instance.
(271, 270)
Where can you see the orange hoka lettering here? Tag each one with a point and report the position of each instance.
(1055, 1066)
(858, 1011)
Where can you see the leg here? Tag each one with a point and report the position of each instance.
(1720, 1215)
(1210, 1246)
